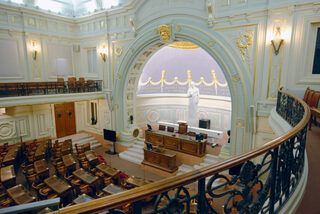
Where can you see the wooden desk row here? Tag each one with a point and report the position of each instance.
(20, 195)
(177, 142)
(8, 176)
(12, 155)
(69, 162)
(41, 168)
(92, 158)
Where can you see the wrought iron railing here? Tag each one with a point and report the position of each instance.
(268, 177)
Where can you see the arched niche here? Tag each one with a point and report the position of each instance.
(148, 41)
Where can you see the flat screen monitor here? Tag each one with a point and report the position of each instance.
(149, 127)
(109, 135)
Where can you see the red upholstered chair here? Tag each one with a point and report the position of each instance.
(170, 129)
(101, 159)
(162, 127)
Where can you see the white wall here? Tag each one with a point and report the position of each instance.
(30, 122)
(171, 108)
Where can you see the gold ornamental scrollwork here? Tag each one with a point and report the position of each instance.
(164, 31)
(244, 42)
(118, 51)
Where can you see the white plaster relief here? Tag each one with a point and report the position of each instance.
(7, 129)
(22, 124)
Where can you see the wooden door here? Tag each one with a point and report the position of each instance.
(65, 119)
(70, 119)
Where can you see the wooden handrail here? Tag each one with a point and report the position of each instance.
(165, 185)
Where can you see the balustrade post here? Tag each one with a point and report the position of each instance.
(137, 207)
(273, 179)
(201, 208)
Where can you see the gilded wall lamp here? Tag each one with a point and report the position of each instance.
(34, 49)
(277, 41)
(103, 52)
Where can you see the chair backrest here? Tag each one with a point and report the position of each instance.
(315, 100)
(205, 136)
(81, 79)
(306, 94)
(162, 127)
(170, 129)
(191, 133)
(86, 147)
(309, 98)
(183, 128)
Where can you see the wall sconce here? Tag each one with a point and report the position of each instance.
(277, 41)
(34, 49)
(103, 52)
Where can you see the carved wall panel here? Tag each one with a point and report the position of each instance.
(244, 40)
(7, 129)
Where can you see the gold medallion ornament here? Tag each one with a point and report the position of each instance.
(164, 31)
(244, 42)
(118, 51)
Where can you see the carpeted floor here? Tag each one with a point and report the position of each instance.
(310, 202)
(127, 167)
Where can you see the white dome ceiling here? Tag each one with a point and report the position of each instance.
(70, 8)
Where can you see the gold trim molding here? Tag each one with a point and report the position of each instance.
(184, 45)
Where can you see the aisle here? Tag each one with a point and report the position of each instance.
(310, 202)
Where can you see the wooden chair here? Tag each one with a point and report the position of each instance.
(86, 147)
(183, 128)
(44, 192)
(6, 202)
(43, 86)
(91, 86)
(85, 189)
(38, 186)
(162, 127)
(61, 171)
(306, 94)
(81, 85)
(205, 136)
(107, 180)
(72, 87)
(309, 97)
(314, 109)
(170, 129)
(191, 134)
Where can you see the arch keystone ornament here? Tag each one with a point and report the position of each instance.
(164, 31)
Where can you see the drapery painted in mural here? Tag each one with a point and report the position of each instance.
(171, 70)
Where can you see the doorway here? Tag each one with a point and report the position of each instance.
(65, 119)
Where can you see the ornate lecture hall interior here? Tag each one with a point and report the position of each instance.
(149, 106)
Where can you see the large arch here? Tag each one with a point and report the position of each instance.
(149, 39)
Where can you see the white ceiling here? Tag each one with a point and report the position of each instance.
(70, 8)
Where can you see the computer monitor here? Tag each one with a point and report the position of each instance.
(149, 146)
(149, 127)
(109, 135)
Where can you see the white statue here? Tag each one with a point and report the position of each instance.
(193, 95)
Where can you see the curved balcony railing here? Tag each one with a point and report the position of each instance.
(268, 177)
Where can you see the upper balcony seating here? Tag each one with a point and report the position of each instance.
(42, 88)
(311, 97)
